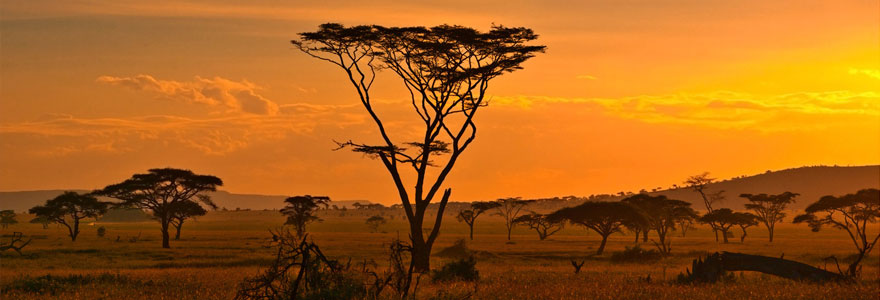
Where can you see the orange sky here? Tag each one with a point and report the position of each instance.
(630, 94)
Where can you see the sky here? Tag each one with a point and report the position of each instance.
(629, 94)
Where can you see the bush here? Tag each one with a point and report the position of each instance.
(102, 231)
(462, 269)
(636, 255)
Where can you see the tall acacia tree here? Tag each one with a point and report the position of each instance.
(661, 215)
(509, 209)
(605, 218)
(700, 184)
(161, 191)
(469, 216)
(770, 209)
(850, 212)
(446, 70)
(68, 208)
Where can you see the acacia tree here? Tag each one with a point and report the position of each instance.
(661, 215)
(850, 212)
(769, 208)
(186, 210)
(509, 209)
(374, 222)
(7, 217)
(469, 216)
(539, 222)
(300, 210)
(744, 220)
(446, 70)
(699, 183)
(723, 219)
(605, 218)
(68, 208)
(161, 191)
(42, 221)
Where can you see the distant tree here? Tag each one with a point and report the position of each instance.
(300, 211)
(699, 183)
(160, 190)
(662, 215)
(68, 208)
(769, 208)
(723, 219)
(374, 222)
(545, 227)
(42, 221)
(850, 212)
(185, 210)
(446, 70)
(605, 218)
(744, 221)
(684, 225)
(469, 216)
(7, 217)
(509, 209)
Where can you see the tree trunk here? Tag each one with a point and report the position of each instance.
(637, 236)
(75, 231)
(472, 232)
(713, 267)
(770, 229)
(602, 245)
(645, 236)
(742, 238)
(165, 237)
(724, 233)
(509, 229)
(177, 227)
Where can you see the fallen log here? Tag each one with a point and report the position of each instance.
(715, 265)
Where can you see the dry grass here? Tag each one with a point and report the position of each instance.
(220, 249)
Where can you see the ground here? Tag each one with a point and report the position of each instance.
(218, 250)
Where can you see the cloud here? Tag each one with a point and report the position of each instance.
(873, 73)
(219, 92)
(726, 110)
(586, 77)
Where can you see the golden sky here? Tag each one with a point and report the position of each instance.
(630, 94)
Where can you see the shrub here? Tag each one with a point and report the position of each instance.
(636, 255)
(102, 231)
(462, 269)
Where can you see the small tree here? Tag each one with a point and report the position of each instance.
(374, 222)
(185, 210)
(7, 217)
(509, 209)
(723, 219)
(661, 215)
(604, 218)
(160, 190)
(469, 216)
(850, 212)
(545, 227)
(745, 220)
(700, 184)
(68, 208)
(300, 210)
(42, 221)
(769, 208)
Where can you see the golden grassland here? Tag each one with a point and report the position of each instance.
(218, 250)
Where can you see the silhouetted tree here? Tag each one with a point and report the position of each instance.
(374, 222)
(745, 220)
(42, 221)
(850, 212)
(661, 215)
(699, 183)
(509, 209)
(769, 208)
(160, 190)
(469, 216)
(68, 208)
(723, 218)
(604, 218)
(300, 210)
(187, 209)
(7, 217)
(446, 70)
(545, 227)
(684, 225)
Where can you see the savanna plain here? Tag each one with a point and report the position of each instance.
(219, 250)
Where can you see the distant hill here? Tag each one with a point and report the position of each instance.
(21, 201)
(810, 182)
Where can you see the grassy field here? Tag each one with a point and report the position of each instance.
(218, 250)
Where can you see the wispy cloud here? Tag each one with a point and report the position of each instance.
(586, 77)
(725, 110)
(873, 73)
(237, 96)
